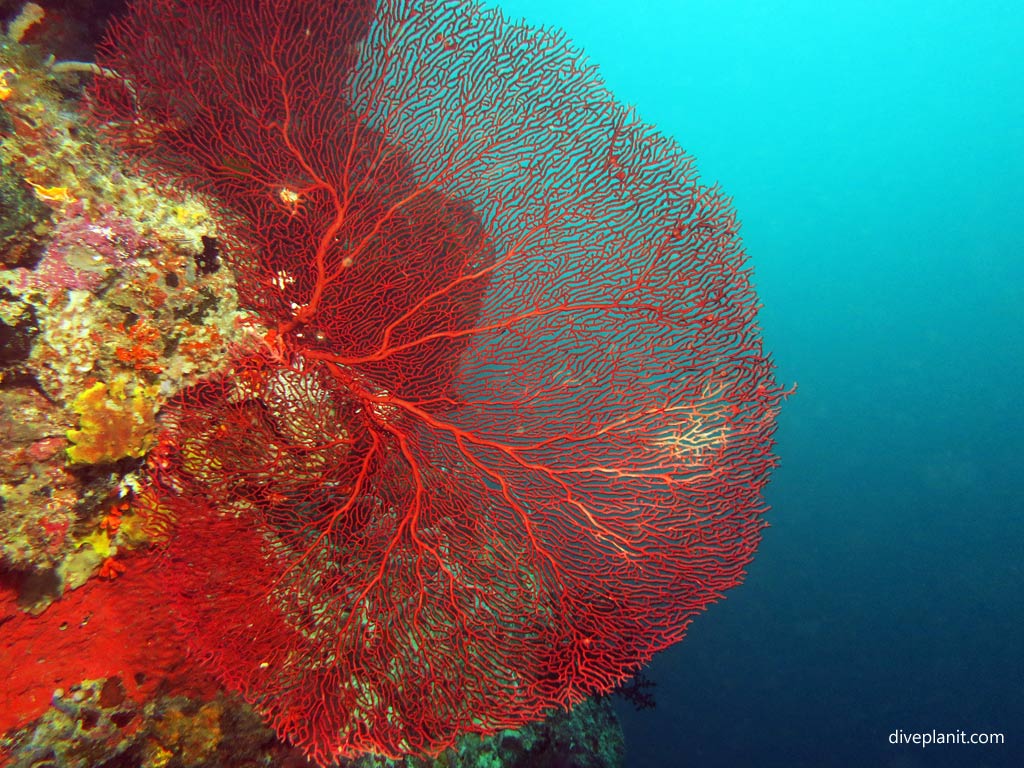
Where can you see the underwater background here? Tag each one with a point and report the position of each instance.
(875, 152)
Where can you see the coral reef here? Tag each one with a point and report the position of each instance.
(112, 301)
(22, 217)
(589, 736)
(88, 724)
(108, 307)
(94, 723)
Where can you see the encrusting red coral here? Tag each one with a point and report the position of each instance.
(101, 630)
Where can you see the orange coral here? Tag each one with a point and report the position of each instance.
(141, 354)
(112, 424)
(112, 568)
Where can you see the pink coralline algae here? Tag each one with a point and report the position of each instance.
(87, 249)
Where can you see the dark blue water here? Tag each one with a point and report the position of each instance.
(875, 151)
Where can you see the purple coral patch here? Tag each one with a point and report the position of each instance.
(86, 248)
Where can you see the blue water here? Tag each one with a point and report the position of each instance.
(875, 151)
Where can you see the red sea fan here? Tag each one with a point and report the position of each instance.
(511, 428)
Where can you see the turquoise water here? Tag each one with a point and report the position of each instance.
(875, 151)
